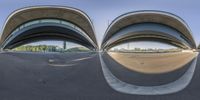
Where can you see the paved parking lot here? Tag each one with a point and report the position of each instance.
(70, 76)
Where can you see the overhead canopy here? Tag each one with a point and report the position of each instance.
(157, 17)
(71, 15)
(148, 32)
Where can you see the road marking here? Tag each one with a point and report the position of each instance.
(61, 65)
(169, 88)
(52, 62)
(84, 58)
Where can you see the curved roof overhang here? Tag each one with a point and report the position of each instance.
(25, 15)
(46, 31)
(150, 32)
(158, 17)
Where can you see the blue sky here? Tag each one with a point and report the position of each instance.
(148, 45)
(102, 12)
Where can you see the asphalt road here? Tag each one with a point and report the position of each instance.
(72, 76)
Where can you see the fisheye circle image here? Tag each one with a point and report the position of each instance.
(99, 50)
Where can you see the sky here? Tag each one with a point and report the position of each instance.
(144, 45)
(103, 12)
(127, 45)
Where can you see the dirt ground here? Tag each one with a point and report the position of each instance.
(153, 62)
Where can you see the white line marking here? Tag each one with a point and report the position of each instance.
(82, 59)
(61, 65)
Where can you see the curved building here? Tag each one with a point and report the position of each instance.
(48, 22)
(149, 25)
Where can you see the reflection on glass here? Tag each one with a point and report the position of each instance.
(52, 46)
